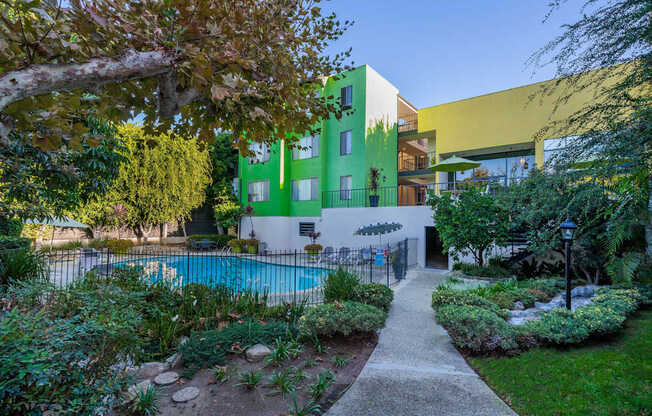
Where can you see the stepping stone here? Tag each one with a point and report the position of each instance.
(257, 352)
(164, 379)
(151, 369)
(185, 395)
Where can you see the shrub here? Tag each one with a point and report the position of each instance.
(208, 348)
(60, 365)
(374, 294)
(97, 244)
(491, 270)
(550, 287)
(237, 242)
(477, 329)
(625, 301)
(251, 242)
(119, 246)
(507, 298)
(70, 245)
(332, 319)
(21, 265)
(11, 243)
(10, 227)
(340, 285)
(446, 297)
(559, 326)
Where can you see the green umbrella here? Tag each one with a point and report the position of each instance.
(454, 164)
(62, 222)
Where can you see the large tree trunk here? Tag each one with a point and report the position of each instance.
(164, 232)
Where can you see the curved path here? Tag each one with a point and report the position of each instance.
(415, 370)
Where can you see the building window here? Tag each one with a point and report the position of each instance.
(236, 187)
(346, 142)
(551, 147)
(260, 152)
(346, 186)
(346, 96)
(305, 189)
(308, 147)
(305, 228)
(258, 191)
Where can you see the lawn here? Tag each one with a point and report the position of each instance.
(609, 378)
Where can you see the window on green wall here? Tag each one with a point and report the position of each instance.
(260, 151)
(305, 189)
(346, 142)
(346, 186)
(308, 147)
(346, 96)
(258, 191)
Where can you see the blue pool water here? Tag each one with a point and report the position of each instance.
(238, 273)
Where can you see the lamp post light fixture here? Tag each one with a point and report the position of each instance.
(567, 229)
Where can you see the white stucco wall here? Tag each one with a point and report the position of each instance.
(381, 100)
(338, 224)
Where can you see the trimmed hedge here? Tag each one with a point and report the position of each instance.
(477, 329)
(446, 297)
(374, 294)
(491, 270)
(344, 318)
(119, 246)
(473, 324)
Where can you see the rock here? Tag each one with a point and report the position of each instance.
(185, 395)
(257, 352)
(151, 369)
(174, 360)
(518, 305)
(166, 378)
(583, 291)
(135, 389)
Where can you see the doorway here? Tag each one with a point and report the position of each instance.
(434, 256)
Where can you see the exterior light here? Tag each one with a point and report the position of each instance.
(525, 165)
(567, 229)
(522, 160)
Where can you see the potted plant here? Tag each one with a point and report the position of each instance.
(313, 248)
(236, 245)
(252, 243)
(375, 179)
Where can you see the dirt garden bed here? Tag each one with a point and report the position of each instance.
(229, 398)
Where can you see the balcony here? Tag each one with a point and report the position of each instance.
(410, 195)
(410, 163)
(408, 123)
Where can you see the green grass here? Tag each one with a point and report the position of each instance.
(610, 378)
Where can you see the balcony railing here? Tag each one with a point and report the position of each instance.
(411, 195)
(408, 163)
(407, 123)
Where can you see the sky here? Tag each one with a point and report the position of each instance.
(437, 51)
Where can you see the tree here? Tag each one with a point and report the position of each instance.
(224, 159)
(163, 179)
(248, 66)
(538, 204)
(37, 181)
(469, 223)
(617, 124)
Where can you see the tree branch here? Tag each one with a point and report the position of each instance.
(43, 79)
(170, 99)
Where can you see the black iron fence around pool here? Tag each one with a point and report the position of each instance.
(283, 275)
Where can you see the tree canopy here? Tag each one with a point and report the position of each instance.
(470, 223)
(253, 67)
(163, 179)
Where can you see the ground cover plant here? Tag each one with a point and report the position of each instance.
(603, 378)
(476, 318)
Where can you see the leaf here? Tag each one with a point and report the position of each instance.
(219, 93)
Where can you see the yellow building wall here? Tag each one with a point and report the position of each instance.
(509, 117)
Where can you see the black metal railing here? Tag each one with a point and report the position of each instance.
(282, 275)
(408, 123)
(411, 195)
(408, 163)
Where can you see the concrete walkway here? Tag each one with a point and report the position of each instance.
(415, 370)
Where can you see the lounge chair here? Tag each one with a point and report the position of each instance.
(206, 244)
(327, 256)
(344, 255)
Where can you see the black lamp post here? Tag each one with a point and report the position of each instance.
(567, 229)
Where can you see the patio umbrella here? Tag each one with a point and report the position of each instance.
(378, 229)
(62, 222)
(454, 164)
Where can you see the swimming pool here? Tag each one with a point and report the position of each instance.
(237, 273)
